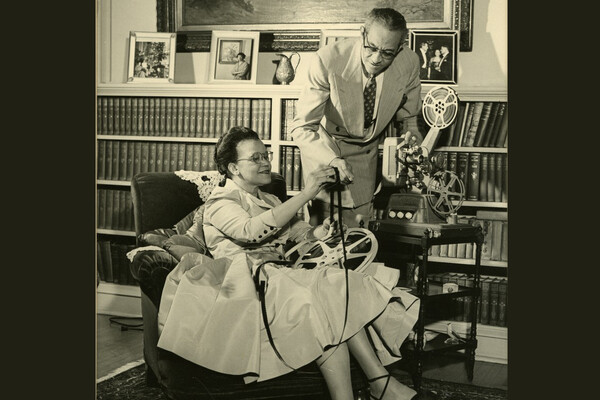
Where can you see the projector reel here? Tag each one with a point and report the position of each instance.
(440, 107)
(361, 248)
(443, 188)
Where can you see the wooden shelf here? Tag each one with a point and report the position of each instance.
(490, 204)
(466, 261)
(111, 182)
(503, 150)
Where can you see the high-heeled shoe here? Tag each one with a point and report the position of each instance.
(387, 382)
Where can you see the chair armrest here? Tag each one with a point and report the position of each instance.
(150, 269)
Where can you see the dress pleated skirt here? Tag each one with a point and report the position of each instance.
(210, 314)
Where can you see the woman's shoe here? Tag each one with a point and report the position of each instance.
(387, 382)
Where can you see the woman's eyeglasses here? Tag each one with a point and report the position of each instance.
(258, 157)
(385, 54)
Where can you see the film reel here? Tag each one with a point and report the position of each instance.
(445, 193)
(440, 107)
(361, 248)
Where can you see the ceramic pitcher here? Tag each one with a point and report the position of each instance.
(285, 73)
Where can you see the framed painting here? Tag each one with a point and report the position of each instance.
(233, 57)
(203, 15)
(438, 53)
(151, 57)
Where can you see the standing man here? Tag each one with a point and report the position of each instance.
(422, 53)
(445, 63)
(335, 125)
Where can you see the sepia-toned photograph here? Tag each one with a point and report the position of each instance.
(438, 55)
(301, 200)
(151, 57)
(233, 57)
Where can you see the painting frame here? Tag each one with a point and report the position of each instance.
(437, 69)
(225, 45)
(151, 57)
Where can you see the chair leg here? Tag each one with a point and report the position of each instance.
(151, 379)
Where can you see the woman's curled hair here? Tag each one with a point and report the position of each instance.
(226, 148)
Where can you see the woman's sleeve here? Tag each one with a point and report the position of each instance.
(299, 229)
(228, 216)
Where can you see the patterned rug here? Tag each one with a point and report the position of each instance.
(131, 385)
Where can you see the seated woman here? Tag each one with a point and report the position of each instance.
(210, 312)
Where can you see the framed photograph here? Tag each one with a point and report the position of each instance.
(151, 57)
(233, 57)
(438, 53)
(333, 35)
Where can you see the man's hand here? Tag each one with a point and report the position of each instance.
(412, 139)
(346, 175)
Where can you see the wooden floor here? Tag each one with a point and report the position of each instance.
(116, 347)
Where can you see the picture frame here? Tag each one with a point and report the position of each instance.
(151, 57)
(333, 35)
(439, 66)
(224, 64)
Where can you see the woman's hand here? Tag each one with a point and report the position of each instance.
(317, 179)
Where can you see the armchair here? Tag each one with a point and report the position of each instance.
(160, 201)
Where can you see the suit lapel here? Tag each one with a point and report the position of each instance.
(394, 82)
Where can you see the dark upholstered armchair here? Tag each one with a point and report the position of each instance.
(160, 201)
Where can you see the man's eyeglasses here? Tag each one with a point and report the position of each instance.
(258, 157)
(385, 54)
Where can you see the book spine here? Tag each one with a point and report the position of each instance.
(116, 206)
(160, 157)
(106, 260)
(297, 178)
(246, 113)
(189, 157)
(218, 130)
(197, 155)
(484, 303)
(173, 159)
(101, 221)
(153, 128)
(504, 191)
(130, 160)
(103, 110)
(116, 158)
(483, 122)
(166, 156)
(180, 156)
(137, 158)
(254, 115)
(473, 176)
(494, 292)
(146, 116)
(108, 160)
(472, 132)
(178, 115)
(469, 107)
(483, 177)
(186, 117)
(110, 118)
(169, 108)
(233, 112)
(212, 165)
(502, 300)
(226, 118)
(496, 240)
(123, 115)
(123, 160)
(487, 134)
(134, 116)
(267, 124)
(460, 120)
(152, 158)
(199, 117)
(193, 107)
(128, 115)
(140, 116)
(503, 130)
(504, 242)
(101, 174)
(491, 177)
(145, 157)
(162, 119)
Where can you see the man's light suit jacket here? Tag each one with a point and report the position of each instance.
(329, 120)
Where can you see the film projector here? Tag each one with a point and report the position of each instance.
(428, 192)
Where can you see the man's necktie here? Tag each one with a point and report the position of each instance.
(369, 97)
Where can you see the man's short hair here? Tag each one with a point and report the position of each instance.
(388, 17)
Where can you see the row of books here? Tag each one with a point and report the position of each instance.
(181, 116)
(122, 159)
(478, 124)
(291, 167)
(494, 226)
(113, 264)
(484, 175)
(491, 306)
(115, 209)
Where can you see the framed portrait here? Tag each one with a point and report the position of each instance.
(333, 35)
(151, 57)
(438, 54)
(233, 57)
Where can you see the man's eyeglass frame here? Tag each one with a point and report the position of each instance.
(385, 54)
